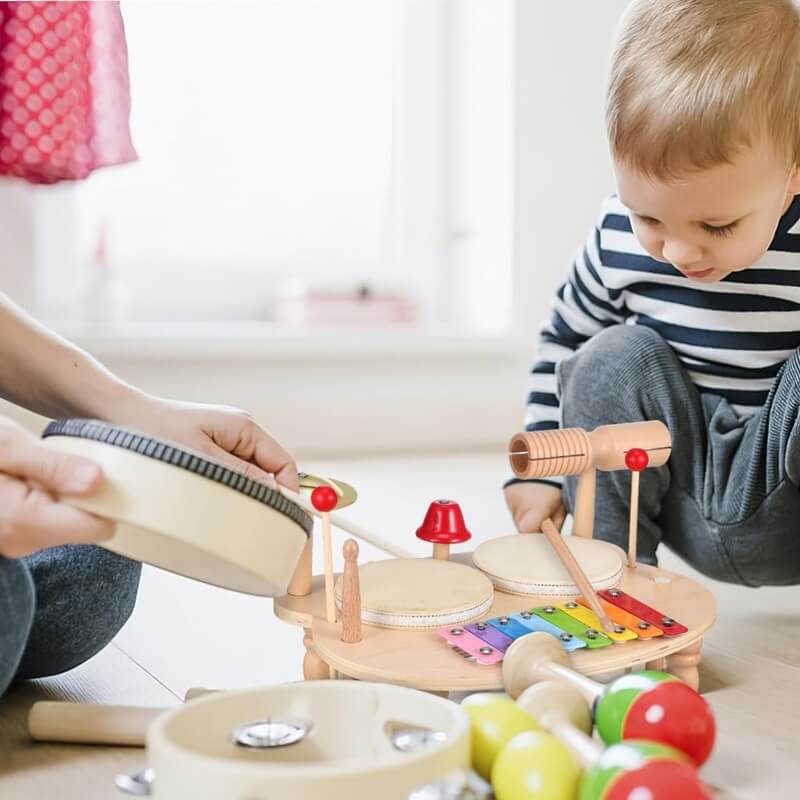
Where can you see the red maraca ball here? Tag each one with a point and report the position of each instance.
(323, 498)
(654, 706)
(636, 459)
(639, 770)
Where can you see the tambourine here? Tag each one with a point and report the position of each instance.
(184, 512)
(319, 739)
(526, 564)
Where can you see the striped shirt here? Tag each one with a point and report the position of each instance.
(731, 336)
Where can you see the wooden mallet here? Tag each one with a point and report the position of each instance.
(636, 460)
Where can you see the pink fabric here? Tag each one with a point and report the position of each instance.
(64, 91)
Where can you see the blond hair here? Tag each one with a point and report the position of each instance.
(692, 82)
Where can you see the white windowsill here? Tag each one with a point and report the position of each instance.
(232, 340)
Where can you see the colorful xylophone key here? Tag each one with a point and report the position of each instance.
(667, 625)
(588, 617)
(644, 630)
(593, 637)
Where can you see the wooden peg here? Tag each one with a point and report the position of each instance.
(300, 585)
(576, 573)
(351, 594)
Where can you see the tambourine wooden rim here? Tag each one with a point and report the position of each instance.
(184, 512)
(183, 459)
(526, 564)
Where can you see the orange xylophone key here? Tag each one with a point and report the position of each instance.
(644, 630)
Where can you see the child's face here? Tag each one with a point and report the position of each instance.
(711, 222)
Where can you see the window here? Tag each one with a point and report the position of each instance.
(300, 160)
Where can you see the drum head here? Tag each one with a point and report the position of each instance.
(526, 564)
(420, 593)
(186, 513)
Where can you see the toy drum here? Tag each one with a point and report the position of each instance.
(526, 564)
(321, 739)
(184, 512)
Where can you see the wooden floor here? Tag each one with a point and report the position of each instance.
(185, 634)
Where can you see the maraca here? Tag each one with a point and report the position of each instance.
(642, 705)
(653, 770)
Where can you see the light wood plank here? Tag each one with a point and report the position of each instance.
(80, 772)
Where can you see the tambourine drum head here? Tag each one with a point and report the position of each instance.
(526, 564)
(184, 512)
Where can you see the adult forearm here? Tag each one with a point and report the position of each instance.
(43, 372)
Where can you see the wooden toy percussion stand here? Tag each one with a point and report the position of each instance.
(422, 659)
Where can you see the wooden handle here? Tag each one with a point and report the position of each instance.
(351, 594)
(634, 521)
(85, 723)
(327, 550)
(576, 573)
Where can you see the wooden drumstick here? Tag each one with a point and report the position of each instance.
(85, 723)
(636, 459)
(576, 573)
(324, 498)
(351, 594)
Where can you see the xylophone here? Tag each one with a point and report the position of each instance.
(573, 623)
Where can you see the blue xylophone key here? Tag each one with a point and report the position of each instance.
(510, 627)
(534, 623)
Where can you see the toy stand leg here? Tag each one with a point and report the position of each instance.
(659, 665)
(683, 665)
(314, 668)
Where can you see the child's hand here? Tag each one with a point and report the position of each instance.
(31, 518)
(531, 503)
(229, 435)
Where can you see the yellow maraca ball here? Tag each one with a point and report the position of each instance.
(535, 766)
(495, 719)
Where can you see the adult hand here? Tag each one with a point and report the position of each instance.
(31, 518)
(532, 503)
(228, 435)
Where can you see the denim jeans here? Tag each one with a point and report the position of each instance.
(59, 607)
(727, 501)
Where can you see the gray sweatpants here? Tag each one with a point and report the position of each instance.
(59, 607)
(727, 501)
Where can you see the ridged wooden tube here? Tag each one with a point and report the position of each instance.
(544, 454)
(572, 451)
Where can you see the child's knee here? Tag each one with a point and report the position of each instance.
(17, 605)
(616, 365)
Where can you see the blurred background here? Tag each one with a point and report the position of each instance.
(346, 217)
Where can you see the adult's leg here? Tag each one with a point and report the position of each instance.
(17, 604)
(84, 596)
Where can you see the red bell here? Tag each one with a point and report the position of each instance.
(443, 525)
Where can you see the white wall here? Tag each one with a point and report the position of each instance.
(426, 397)
(562, 166)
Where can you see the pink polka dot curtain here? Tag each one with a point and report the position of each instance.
(64, 92)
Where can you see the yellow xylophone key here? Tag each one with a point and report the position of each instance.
(588, 617)
(644, 630)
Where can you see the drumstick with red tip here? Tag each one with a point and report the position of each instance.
(324, 500)
(636, 460)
